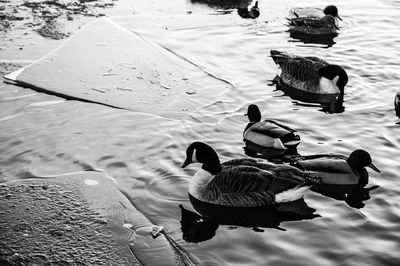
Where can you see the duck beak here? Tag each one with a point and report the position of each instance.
(186, 163)
(339, 18)
(373, 167)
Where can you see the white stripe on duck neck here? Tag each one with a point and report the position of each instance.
(329, 86)
(200, 179)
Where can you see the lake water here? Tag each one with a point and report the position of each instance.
(46, 135)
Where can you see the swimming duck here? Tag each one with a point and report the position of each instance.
(314, 26)
(299, 12)
(268, 133)
(243, 182)
(253, 13)
(340, 170)
(397, 104)
(310, 74)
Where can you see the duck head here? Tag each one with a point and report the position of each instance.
(253, 113)
(333, 11)
(199, 152)
(397, 103)
(335, 74)
(359, 159)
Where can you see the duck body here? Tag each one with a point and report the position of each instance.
(312, 12)
(314, 21)
(310, 74)
(313, 25)
(244, 182)
(268, 133)
(339, 173)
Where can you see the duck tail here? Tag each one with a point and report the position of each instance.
(292, 194)
(279, 57)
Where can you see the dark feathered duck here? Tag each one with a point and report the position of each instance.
(298, 12)
(341, 170)
(243, 182)
(314, 21)
(313, 26)
(268, 133)
(310, 74)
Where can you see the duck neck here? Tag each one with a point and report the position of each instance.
(248, 126)
(213, 168)
(328, 86)
(198, 182)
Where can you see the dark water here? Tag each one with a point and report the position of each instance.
(42, 134)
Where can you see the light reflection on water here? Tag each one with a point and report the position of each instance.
(42, 134)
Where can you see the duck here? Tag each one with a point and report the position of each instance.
(397, 104)
(340, 170)
(243, 182)
(310, 74)
(253, 12)
(313, 26)
(298, 12)
(268, 133)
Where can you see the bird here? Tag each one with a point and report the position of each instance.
(340, 170)
(310, 74)
(268, 133)
(313, 26)
(397, 104)
(243, 182)
(314, 21)
(298, 12)
(253, 12)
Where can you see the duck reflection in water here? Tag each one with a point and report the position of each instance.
(197, 228)
(270, 154)
(397, 104)
(324, 39)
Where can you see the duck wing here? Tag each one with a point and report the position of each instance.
(323, 23)
(241, 186)
(327, 165)
(281, 125)
(249, 183)
(298, 68)
(270, 128)
(306, 12)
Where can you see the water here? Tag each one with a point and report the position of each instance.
(43, 134)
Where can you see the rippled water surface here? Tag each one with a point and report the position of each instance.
(44, 135)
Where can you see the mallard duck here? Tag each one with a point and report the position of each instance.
(397, 104)
(310, 74)
(268, 133)
(298, 12)
(314, 21)
(243, 182)
(340, 170)
(314, 26)
(253, 12)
